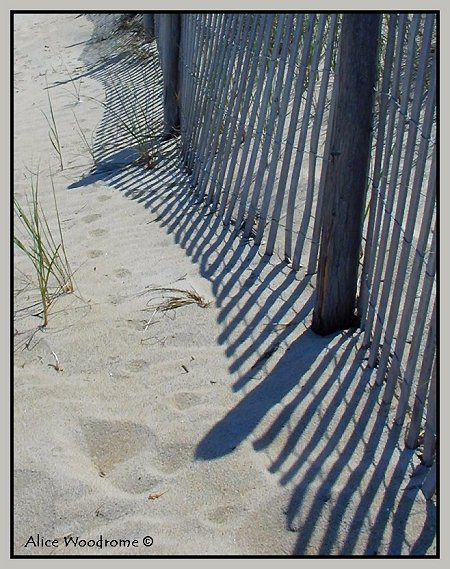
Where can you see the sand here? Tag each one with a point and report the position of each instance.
(224, 427)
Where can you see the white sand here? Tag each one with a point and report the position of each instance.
(263, 438)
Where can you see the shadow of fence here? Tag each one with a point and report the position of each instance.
(309, 403)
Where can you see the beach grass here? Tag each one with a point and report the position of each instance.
(53, 133)
(43, 246)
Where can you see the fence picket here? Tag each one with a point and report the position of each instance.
(314, 143)
(381, 144)
(429, 441)
(392, 194)
(400, 265)
(277, 114)
(267, 25)
(422, 388)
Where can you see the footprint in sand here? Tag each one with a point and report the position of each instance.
(41, 499)
(104, 198)
(185, 400)
(91, 217)
(98, 232)
(135, 325)
(172, 458)
(222, 514)
(128, 454)
(121, 273)
(95, 253)
(132, 480)
(111, 443)
(137, 365)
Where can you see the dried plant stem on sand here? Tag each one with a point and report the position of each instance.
(178, 298)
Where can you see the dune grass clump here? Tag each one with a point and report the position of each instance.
(44, 247)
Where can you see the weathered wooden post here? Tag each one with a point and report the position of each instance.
(346, 176)
(168, 39)
(149, 26)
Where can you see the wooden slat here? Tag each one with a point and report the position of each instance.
(289, 146)
(291, 199)
(231, 137)
(429, 486)
(429, 441)
(245, 124)
(217, 98)
(396, 275)
(318, 126)
(215, 76)
(259, 111)
(411, 295)
(382, 143)
(417, 415)
(317, 228)
(219, 129)
(210, 23)
(384, 205)
(277, 116)
(395, 163)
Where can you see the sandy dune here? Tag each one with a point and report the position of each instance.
(226, 429)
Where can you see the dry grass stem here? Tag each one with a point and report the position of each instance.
(56, 365)
(178, 299)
